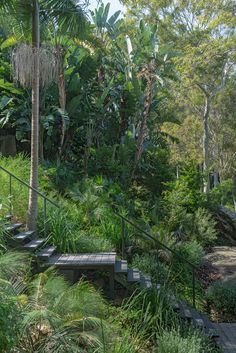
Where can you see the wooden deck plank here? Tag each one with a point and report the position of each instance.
(80, 260)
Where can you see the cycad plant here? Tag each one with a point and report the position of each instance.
(46, 314)
(61, 318)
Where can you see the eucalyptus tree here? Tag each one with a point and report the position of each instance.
(204, 33)
(66, 14)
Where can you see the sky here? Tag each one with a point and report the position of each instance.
(115, 5)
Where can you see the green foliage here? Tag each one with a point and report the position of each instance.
(222, 297)
(175, 341)
(149, 311)
(68, 231)
(186, 191)
(204, 227)
(127, 344)
(199, 226)
(9, 310)
(59, 177)
(13, 267)
(148, 264)
(20, 167)
(181, 272)
(222, 194)
(191, 251)
(186, 213)
(107, 88)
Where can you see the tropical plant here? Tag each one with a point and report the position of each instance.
(34, 59)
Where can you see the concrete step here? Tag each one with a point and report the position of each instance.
(33, 244)
(45, 253)
(184, 311)
(145, 282)
(8, 217)
(210, 328)
(133, 275)
(197, 319)
(11, 228)
(23, 236)
(121, 266)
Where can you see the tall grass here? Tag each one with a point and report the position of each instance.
(19, 166)
(150, 311)
(67, 231)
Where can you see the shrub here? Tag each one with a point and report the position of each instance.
(59, 177)
(148, 264)
(222, 297)
(175, 342)
(182, 272)
(191, 251)
(222, 194)
(199, 226)
(204, 227)
(186, 191)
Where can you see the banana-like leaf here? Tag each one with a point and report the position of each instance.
(11, 41)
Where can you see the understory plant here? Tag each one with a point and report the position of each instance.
(183, 341)
(149, 311)
(221, 296)
(44, 313)
(149, 264)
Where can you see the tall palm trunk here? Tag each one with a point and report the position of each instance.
(32, 207)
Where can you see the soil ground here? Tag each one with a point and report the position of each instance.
(223, 259)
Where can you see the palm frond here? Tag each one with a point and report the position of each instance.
(68, 15)
(13, 264)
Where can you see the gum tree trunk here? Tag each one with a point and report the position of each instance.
(32, 207)
(206, 141)
(234, 189)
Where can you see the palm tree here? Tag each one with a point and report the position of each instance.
(70, 17)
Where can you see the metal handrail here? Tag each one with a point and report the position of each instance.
(193, 267)
(45, 198)
(29, 187)
(124, 219)
(157, 241)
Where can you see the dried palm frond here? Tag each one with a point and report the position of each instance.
(23, 64)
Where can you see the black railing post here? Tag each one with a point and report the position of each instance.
(123, 237)
(194, 287)
(10, 191)
(45, 216)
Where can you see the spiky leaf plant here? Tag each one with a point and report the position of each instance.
(61, 318)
